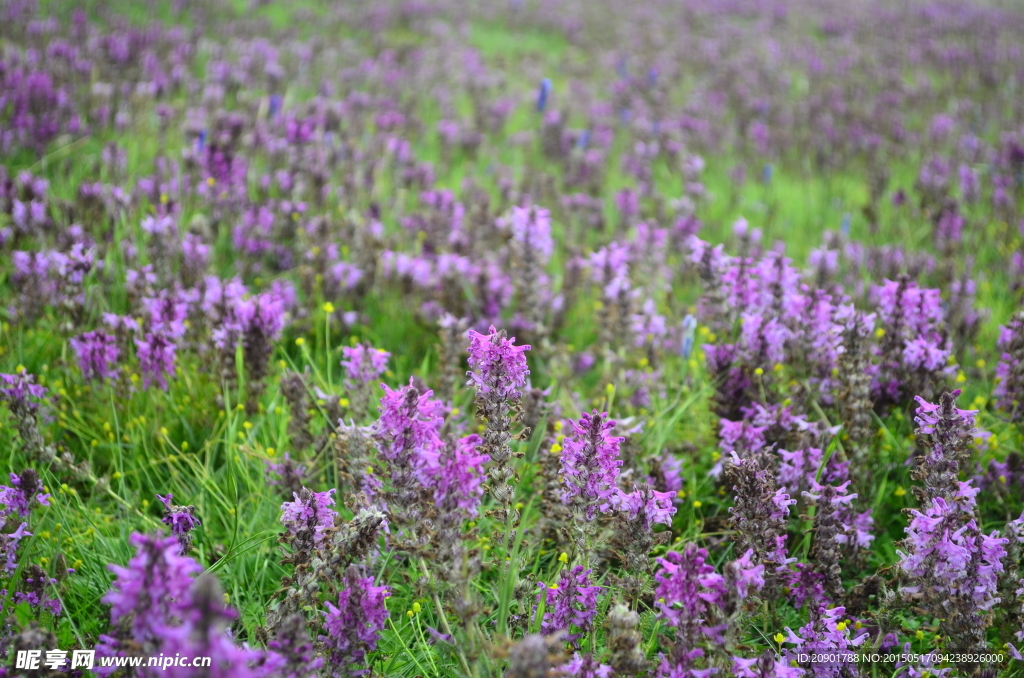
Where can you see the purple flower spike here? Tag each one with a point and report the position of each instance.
(157, 356)
(353, 626)
(97, 355)
(571, 603)
(499, 372)
(309, 517)
(499, 366)
(181, 519)
(590, 464)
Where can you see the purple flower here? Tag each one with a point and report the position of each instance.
(353, 626)
(499, 367)
(823, 641)
(20, 391)
(949, 432)
(498, 373)
(583, 666)
(744, 576)
(571, 603)
(456, 475)
(654, 506)
(1009, 390)
(97, 355)
(765, 666)
(531, 228)
(157, 355)
(590, 465)
(408, 437)
(309, 516)
(149, 594)
(22, 495)
(181, 519)
(364, 364)
(679, 585)
(407, 431)
(10, 546)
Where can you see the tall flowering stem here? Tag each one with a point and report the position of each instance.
(635, 538)
(408, 437)
(590, 466)
(829, 533)
(363, 365)
(947, 433)
(571, 604)
(181, 519)
(353, 626)
(499, 374)
(1009, 390)
(759, 514)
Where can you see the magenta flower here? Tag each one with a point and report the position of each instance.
(499, 366)
(157, 356)
(570, 604)
(181, 519)
(456, 475)
(583, 666)
(353, 626)
(97, 354)
(590, 464)
(364, 364)
(310, 514)
(654, 506)
(820, 644)
(150, 592)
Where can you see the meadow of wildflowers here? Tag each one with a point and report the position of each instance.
(526, 339)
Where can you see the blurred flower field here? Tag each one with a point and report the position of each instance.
(530, 338)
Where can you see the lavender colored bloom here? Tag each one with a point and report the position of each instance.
(20, 392)
(830, 531)
(409, 440)
(97, 354)
(363, 366)
(953, 570)
(9, 550)
(765, 666)
(685, 604)
(363, 363)
(309, 517)
(914, 353)
(146, 597)
(181, 519)
(744, 576)
(651, 506)
(157, 355)
(823, 641)
(498, 372)
(205, 632)
(499, 368)
(590, 465)
(1009, 390)
(167, 314)
(353, 626)
(570, 604)
(948, 432)
(679, 585)
(531, 229)
(456, 475)
(23, 494)
(583, 666)
(759, 512)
